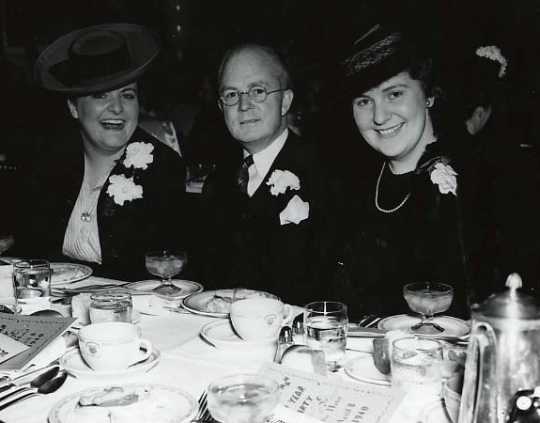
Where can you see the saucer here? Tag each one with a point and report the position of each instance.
(146, 287)
(452, 326)
(73, 362)
(221, 335)
(363, 369)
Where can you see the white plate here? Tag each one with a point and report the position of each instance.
(452, 325)
(217, 303)
(146, 287)
(363, 369)
(64, 273)
(166, 402)
(221, 335)
(73, 362)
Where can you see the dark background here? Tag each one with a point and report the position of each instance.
(313, 32)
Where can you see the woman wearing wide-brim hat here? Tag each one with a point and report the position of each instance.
(107, 191)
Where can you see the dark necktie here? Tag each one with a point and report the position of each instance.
(243, 173)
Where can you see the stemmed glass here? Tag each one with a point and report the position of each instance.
(165, 264)
(428, 299)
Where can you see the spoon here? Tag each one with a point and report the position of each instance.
(34, 383)
(47, 387)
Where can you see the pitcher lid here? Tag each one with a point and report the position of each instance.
(513, 302)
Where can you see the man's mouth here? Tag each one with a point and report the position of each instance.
(388, 132)
(248, 121)
(114, 124)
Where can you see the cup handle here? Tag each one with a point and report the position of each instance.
(147, 347)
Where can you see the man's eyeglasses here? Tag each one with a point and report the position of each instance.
(255, 94)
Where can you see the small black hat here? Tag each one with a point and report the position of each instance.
(377, 55)
(97, 58)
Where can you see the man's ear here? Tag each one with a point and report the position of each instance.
(73, 109)
(286, 101)
(478, 119)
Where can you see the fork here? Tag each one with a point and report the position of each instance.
(203, 414)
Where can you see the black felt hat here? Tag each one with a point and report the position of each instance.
(96, 58)
(377, 55)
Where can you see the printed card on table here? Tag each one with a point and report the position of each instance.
(10, 347)
(330, 399)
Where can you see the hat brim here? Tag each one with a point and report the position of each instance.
(142, 43)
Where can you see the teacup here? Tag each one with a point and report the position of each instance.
(258, 318)
(112, 345)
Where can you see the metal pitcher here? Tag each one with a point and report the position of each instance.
(503, 353)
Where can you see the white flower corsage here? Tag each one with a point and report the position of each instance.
(280, 180)
(444, 176)
(295, 211)
(139, 155)
(494, 53)
(123, 189)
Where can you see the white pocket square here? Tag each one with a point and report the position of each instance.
(295, 211)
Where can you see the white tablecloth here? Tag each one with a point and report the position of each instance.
(186, 362)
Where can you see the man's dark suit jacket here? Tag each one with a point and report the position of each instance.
(245, 244)
(126, 232)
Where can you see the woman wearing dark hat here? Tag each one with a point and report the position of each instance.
(407, 220)
(107, 191)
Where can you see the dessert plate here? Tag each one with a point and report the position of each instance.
(452, 325)
(75, 365)
(363, 369)
(64, 273)
(147, 403)
(218, 303)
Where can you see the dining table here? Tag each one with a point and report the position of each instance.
(186, 361)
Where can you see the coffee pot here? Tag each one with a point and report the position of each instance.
(503, 356)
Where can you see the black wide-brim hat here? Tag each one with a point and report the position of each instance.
(96, 59)
(376, 56)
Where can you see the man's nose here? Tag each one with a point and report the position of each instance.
(244, 102)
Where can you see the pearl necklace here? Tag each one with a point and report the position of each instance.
(400, 205)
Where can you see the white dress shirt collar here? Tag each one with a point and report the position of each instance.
(262, 161)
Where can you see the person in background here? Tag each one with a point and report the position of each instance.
(407, 216)
(106, 191)
(497, 145)
(265, 204)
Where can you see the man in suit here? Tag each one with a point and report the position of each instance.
(264, 203)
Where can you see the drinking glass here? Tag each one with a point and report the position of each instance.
(428, 299)
(32, 279)
(166, 264)
(417, 368)
(242, 398)
(110, 307)
(325, 324)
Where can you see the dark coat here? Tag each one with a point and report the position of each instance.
(126, 232)
(247, 246)
(433, 237)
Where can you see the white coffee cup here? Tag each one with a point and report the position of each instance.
(258, 318)
(112, 345)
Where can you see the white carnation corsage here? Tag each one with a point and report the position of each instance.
(123, 189)
(444, 176)
(281, 180)
(139, 155)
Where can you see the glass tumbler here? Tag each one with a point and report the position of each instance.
(325, 324)
(110, 307)
(243, 398)
(32, 279)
